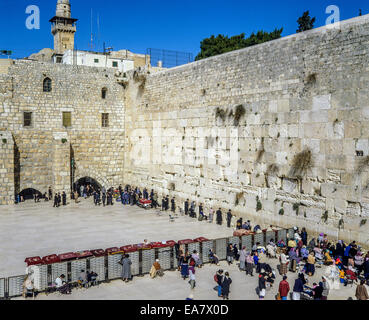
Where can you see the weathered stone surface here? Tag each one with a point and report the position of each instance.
(305, 91)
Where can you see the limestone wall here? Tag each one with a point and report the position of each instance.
(6, 168)
(98, 152)
(306, 92)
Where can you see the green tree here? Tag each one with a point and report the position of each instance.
(305, 22)
(221, 44)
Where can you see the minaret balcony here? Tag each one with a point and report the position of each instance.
(60, 27)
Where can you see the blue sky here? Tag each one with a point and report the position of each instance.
(173, 25)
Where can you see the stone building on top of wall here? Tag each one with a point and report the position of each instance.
(63, 29)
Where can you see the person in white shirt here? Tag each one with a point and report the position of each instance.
(62, 285)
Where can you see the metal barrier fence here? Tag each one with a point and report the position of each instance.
(108, 267)
(205, 249)
(2, 288)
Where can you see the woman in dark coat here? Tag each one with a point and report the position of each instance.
(184, 268)
(126, 268)
(304, 236)
(262, 286)
(340, 250)
(226, 286)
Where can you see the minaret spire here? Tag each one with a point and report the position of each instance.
(63, 28)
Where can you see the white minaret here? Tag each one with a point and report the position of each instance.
(63, 9)
(63, 28)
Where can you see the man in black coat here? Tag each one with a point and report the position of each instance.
(50, 193)
(64, 195)
(186, 204)
(226, 286)
(173, 205)
(163, 204)
(167, 203)
(59, 199)
(55, 201)
(229, 218)
(219, 217)
(103, 199)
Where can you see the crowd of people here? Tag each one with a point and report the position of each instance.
(350, 263)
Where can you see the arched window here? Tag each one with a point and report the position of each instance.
(104, 91)
(47, 85)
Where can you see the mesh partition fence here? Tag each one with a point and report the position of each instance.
(247, 242)
(221, 248)
(206, 246)
(58, 269)
(97, 264)
(193, 246)
(135, 267)
(2, 288)
(259, 237)
(164, 256)
(282, 235)
(175, 259)
(290, 233)
(234, 241)
(148, 258)
(76, 267)
(15, 285)
(270, 235)
(114, 267)
(41, 283)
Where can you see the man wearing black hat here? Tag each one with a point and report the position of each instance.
(219, 217)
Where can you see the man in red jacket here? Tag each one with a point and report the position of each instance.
(284, 288)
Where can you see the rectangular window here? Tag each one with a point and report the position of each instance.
(105, 120)
(115, 64)
(27, 119)
(96, 60)
(67, 119)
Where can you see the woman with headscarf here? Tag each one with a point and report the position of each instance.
(293, 259)
(310, 265)
(156, 269)
(243, 255)
(249, 264)
(271, 249)
(361, 292)
(297, 289)
(304, 253)
(327, 258)
(283, 264)
(226, 284)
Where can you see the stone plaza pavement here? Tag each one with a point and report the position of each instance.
(172, 287)
(31, 229)
(37, 229)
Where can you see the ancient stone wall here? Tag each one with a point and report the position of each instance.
(6, 168)
(43, 158)
(277, 132)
